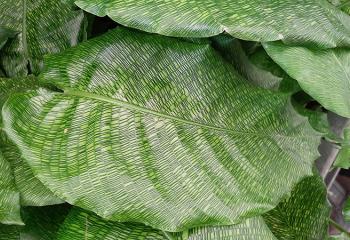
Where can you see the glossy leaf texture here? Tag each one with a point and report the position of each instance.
(32, 191)
(40, 224)
(305, 215)
(43, 27)
(293, 22)
(160, 131)
(324, 74)
(84, 225)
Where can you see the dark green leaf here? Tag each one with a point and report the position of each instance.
(305, 215)
(43, 26)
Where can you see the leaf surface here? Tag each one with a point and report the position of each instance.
(156, 130)
(32, 191)
(43, 27)
(292, 21)
(305, 215)
(81, 224)
(324, 74)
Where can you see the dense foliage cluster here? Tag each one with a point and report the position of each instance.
(169, 120)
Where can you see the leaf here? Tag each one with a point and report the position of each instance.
(305, 215)
(9, 196)
(160, 131)
(343, 157)
(5, 34)
(32, 191)
(294, 22)
(265, 77)
(81, 224)
(44, 26)
(346, 210)
(324, 74)
(41, 224)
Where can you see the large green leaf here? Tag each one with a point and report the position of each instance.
(32, 191)
(84, 225)
(305, 215)
(292, 21)
(324, 74)
(160, 131)
(43, 26)
(40, 224)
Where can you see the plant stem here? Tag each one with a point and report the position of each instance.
(339, 227)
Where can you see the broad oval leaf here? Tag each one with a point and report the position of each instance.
(305, 215)
(324, 74)
(84, 225)
(160, 131)
(43, 26)
(292, 21)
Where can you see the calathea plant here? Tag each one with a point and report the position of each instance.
(184, 120)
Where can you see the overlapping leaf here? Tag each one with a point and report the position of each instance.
(40, 224)
(305, 215)
(84, 225)
(32, 191)
(324, 74)
(307, 21)
(9, 196)
(43, 26)
(160, 131)
(259, 68)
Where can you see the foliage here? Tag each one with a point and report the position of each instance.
(195, 120)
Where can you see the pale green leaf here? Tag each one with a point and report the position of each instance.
(161, 131)
(43, 26)
(324, 74)
(305, 215)
(346, 210)
(294, 22)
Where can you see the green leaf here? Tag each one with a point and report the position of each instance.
(32, 191)
(40, 224)
(346, 210)
(343, 157)
(44, 26)
(5, 34)
(9, 196)
(293, 22)
(324, 74)
(262, 72)
(305, 215)
(160, 131)
(81, 224)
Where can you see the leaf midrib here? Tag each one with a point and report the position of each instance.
(83, 94)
